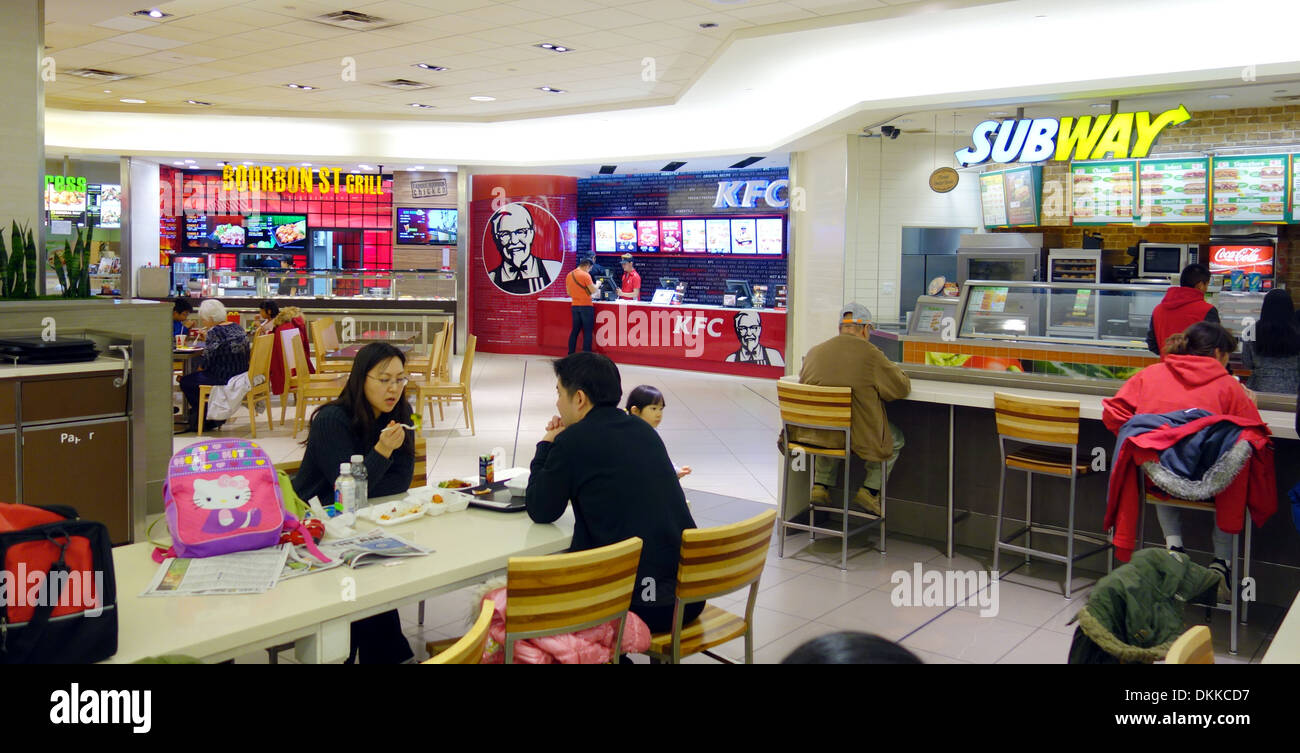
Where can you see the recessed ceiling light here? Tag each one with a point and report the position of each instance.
(482, 98)
(356, 172)
(131, 101)
(430, 67)
(1220, 96)
(197, 102)
(306, 164)
(249, 163)
(304, 87)
(552, 90)
(191, 162)
(998, 113)
(422, 107)
(182, 163)
(708, 25)
(553, 47)
(110, 91)
(1100, 105)
(152, 13)
(365, 167)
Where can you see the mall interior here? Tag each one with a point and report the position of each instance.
(428, 174)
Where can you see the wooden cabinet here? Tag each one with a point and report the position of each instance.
(8, 465)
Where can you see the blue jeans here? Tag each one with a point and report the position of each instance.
(584, 318)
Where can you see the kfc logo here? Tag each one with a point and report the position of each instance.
(529, 245)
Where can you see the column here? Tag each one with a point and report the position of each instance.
(22, 129)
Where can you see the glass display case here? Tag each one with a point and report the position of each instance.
(926, 320)
(395, 284)
(1112, 316)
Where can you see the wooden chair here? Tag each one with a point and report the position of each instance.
(1192, 647)
(324, 340)
(469, 649)
(716, 561)
(451, 391)
(811, 406)
(259, 365)
(426, 363)
(296, 378)
(1047, 432)
(441, 369)
(564, 593)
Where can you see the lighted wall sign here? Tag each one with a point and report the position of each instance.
(737, 194)
(1085, 138)
(324, 180)
(64, 183)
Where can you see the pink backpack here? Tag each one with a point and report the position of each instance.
(222, 496)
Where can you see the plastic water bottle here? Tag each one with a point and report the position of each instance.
(359, 476)
(345, 487)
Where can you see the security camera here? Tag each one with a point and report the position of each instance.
(889, 132)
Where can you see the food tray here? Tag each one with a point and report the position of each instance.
(401, 511)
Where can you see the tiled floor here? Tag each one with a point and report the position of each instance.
(725, 429)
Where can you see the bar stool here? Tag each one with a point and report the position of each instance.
(809, 406)
(1236, 608)
(1047, 432)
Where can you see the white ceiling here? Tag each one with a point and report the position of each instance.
(764, 90)
(239, 56)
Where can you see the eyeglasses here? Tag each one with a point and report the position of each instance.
(754, 329)
(386, 383)
(505, 235)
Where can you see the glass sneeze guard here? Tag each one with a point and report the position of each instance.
(1096, 314)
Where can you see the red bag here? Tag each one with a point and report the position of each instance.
(58, 595)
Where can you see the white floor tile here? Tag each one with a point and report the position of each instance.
(969, 637)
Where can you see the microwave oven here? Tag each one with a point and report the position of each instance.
(1165, 259)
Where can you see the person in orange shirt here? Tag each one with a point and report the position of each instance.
(581, 289)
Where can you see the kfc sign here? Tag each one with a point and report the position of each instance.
(743, 194)
(1224, 259)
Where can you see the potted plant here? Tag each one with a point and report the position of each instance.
(18, 264)
(73, 265)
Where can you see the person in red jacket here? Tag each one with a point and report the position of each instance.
(1181, 307)
(276, 320)
(1191, 374)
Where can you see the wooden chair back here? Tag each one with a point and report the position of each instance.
(259, 360)
(435, 351)
(1192, 647)
(323, 337)
(467, 364)
(420, 476)
(1037, 420)
(814, 405)
(723, 559)
(469, 649)
(563, 593)
(444, 356)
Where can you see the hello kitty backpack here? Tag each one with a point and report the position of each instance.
(223, 496)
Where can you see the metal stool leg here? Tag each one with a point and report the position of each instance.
(1245, 570)
(1236, 597)
(997, 522)
(785, 491)
(884, 485)
(1029, 513)
(1069, 538)
(844, 523)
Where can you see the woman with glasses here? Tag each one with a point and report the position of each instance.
(365, 419)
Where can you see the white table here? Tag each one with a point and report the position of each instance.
(310, 610)
(1285, 648)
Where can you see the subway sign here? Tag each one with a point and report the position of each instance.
(1125, 135)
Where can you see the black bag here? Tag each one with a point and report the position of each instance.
(33, 349)
(58, 601)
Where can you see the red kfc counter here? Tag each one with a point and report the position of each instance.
(747, 342)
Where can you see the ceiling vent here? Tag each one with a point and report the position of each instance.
(1288, 98)
(403, 84)
(353, 20)
(98, 75)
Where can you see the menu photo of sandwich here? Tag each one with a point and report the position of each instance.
(1226, 186)
(1152, 189)
(1225, 172)
(1193, 210)
(1225, 210)
(1154, 210)
(1193, 174)
(1272, 207)
(1154, 176)
(1272, 187)
(1196, 187)
(1272, 172)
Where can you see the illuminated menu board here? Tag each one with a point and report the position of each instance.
(1021, 186)
(1249, 189)
(718, 236)
(693, 238)
(743, 237)
(1103, 192)
(1174, 191)
(993, 197)
(1295, 194)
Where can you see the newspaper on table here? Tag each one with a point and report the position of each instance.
(253, 572)
(369, 548)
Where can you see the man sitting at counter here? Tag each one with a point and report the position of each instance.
(1181, 307)
(850, 360)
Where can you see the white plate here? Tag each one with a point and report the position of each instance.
(396, 510)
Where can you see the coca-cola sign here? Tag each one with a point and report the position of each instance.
(1224, 259)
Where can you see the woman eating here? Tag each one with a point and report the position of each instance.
(365, 419)
(225, 355)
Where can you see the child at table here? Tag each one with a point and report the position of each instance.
(647, 403)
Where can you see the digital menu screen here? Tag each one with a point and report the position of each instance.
(718, 236)
(214, 231)
(1174, 191)
(603, 236)
(744, 239)
(104, 204)
(1249, 189)
(993, 198)
(283, 231)
(1022, 195)
(67, 204)
(693, 237)
(1295, 194)
(1103, 192)
(426, 227)
(625, 235)
(770, 236)
(647, 236)
(670, 236)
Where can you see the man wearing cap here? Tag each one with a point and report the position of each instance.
(631, 287)
(850, 360)
(580, 288)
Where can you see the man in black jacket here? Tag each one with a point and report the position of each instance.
(616, 471)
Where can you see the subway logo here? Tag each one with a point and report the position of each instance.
(1065, 139)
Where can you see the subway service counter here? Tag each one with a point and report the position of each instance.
(1049, 340)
